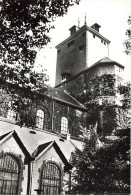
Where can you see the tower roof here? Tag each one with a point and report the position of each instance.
(84, 28)
(103, 61)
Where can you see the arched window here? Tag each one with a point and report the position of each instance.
(64, 125)
(40, 119)
(10, 170)
(11, 114)
(50, 180)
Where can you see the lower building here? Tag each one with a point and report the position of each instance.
(36, 159)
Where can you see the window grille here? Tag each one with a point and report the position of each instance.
(40, 119)
(9, 175)
(50, 181)
(64, 125)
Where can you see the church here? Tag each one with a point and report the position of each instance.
(37, 160)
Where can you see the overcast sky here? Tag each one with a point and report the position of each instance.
(111, 15)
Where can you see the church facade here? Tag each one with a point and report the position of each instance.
(37, 160)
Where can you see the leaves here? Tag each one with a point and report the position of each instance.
(102, 169)
(127, 42)
(24, 30)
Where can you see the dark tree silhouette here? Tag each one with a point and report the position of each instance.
(24, 29)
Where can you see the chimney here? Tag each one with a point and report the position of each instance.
(96, 27)
(73, 30)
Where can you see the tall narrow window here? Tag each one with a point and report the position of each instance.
(64, 125)
(40, 119)
(50, 181)
(11, 114)
(9, 175)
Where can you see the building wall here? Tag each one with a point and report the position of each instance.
(80, 51)
(98, 48)
(50, 155)
(12, 148)
(79, 84)
(71, 56)
(97, 87)
(53, 113)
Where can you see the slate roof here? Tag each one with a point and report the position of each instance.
(64, 97)
(104, 61)
(40, 139)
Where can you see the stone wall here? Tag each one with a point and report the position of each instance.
(53, 112)
(96, 88)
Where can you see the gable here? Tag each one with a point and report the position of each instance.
(11, 146)
(16, 143)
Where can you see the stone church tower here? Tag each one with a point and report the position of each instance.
(79, 51)
(85, 71)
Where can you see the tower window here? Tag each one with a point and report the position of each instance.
(101, 40)
(94, 36)
(50, 179)
(65, 76)
(64, 125)
(104, 43)
(40, 119)
(71, 43)
(81, 47)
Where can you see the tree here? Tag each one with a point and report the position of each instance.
(24, 30)
(102, 168)
(127, 42)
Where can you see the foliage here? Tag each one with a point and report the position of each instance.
(125, 90)
(24, 30)
(100, 96)
(104, 168)
(127, 42)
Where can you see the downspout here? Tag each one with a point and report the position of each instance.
(108, 50)
(28, 179)
(52, 120)
(31, 173)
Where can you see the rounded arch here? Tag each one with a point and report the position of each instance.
(40, 118)
(64, 125)
(10, 174)
(50, 178)
(46, 120)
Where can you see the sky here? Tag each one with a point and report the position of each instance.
(111, 15)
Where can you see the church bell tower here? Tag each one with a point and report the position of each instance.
(80, 50)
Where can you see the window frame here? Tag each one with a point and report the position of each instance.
(42, 118)
(48, 177)
(17, 160)
(64, 125)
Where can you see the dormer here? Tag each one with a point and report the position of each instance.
(96, 27)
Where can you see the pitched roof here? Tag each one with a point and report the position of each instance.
(64, 97)
(39, 139)
(104, 61)
(107, 60)
(5, 137)
(43, 148)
